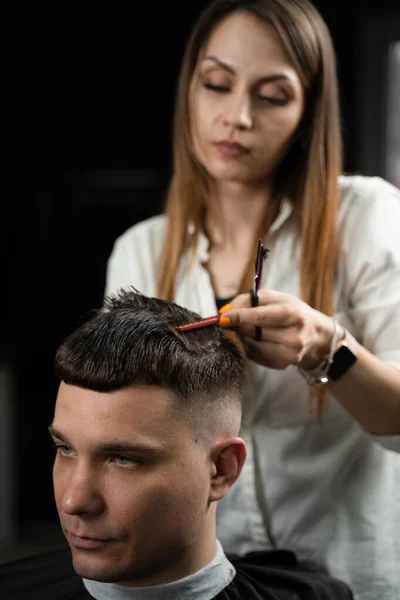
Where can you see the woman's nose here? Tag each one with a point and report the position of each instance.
(239, 112)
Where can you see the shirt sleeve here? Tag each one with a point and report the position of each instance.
(122, 268)
(371, 246)
(371, 257)
(390, 442)
(134, 260)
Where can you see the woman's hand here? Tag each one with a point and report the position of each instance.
(291, 331)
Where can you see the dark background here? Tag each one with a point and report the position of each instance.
(92, 96)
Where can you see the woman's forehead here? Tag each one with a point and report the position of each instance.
(246, 43)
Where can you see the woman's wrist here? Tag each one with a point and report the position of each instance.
(319, 354)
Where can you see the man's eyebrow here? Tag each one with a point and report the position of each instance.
(112, 446)
(56, 434)
(266, 79)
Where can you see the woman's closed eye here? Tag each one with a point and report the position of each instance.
(275, 100)
(273, 94)
(216, 88)
(282, 101)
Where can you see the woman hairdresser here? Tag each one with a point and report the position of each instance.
(257, 155)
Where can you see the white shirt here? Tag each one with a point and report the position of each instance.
(330, 492)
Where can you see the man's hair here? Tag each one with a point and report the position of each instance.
(132, 341)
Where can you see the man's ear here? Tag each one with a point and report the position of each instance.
(227, 457)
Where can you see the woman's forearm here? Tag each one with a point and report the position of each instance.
(370, 392)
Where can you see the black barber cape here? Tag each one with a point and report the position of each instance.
(274, 575)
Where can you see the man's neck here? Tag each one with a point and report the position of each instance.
(205, 584)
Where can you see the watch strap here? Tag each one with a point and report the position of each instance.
(344, 357)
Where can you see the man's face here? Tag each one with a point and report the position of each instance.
(131, 483)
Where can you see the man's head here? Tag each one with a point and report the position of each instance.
(146, 425)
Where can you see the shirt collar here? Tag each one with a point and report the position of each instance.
(284, 213)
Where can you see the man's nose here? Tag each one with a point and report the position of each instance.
(82, 494)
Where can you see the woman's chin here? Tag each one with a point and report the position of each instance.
(231, 174)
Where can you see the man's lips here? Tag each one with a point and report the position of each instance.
(87, 542)
(233, 149)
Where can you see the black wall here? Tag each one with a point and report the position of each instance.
(93, 95)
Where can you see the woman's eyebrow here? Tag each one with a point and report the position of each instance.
(221, 64)
(265, 79)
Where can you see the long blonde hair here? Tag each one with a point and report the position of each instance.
(307, 175)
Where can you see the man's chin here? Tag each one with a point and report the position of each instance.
(102, 568)
(97, 567)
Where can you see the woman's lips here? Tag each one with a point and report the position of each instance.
(231, 149)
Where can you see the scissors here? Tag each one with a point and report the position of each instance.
(261, 255)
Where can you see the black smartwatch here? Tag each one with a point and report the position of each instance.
(343, 359)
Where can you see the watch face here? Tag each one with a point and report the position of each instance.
(342, 361)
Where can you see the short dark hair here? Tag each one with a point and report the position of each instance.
(132, 341)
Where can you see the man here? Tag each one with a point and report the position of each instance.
(146, 431)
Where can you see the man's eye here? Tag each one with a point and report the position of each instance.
(125, 461)
(63, 450)
(215, 88)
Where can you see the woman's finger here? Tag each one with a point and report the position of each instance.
(274, 315)
(240, 301)
(265, 297)
(266, 362)
(291, 336)
(272, 352)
